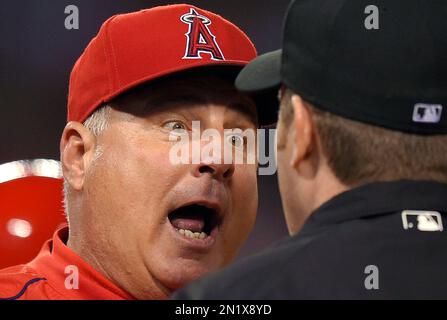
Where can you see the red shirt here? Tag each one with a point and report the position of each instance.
(47, 275)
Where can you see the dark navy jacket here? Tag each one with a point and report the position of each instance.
(384, 240)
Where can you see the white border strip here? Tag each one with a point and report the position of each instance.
(26, 168)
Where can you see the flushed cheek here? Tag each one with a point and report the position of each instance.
(244, 188)
(243, 212)
(131, 193)
(145, 166)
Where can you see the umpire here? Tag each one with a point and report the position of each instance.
(362, 155)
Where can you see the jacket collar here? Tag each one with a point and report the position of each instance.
(56, 262)
(380, 198)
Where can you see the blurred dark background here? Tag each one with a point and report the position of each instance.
(37, 54)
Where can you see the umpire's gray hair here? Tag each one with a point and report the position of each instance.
(96, 123)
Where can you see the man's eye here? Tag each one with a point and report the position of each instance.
(175, 126)
(236, 140)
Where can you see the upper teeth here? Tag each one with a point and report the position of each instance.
(190, 234)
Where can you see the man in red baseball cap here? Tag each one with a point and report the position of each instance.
(141, 226)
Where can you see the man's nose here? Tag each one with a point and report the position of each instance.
(218, 171)
(215, 162)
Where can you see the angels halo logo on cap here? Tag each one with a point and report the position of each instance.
(200, 39)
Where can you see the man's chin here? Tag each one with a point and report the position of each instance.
(181, 274)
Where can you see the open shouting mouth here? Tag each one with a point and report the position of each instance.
(197, 222)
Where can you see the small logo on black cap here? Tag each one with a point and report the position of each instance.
(422, 220)
(427, 113)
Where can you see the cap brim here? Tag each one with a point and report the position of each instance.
(263, 73)
(261, 78)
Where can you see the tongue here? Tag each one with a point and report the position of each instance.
(195, 224)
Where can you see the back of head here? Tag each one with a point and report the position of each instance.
(374, 76)
(360, 153)
(370, 88)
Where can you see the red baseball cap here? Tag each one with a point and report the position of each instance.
(133, 48)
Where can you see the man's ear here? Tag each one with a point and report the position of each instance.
(77, 148)
(303, 133)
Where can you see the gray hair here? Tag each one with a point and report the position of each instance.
(97, 122)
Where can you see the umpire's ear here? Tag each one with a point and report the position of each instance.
(77, 148)
(304, 131)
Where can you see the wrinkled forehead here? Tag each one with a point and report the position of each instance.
(186, 90)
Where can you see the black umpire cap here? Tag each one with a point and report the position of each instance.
(382, 62)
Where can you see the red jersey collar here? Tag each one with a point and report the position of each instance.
(52, 262)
